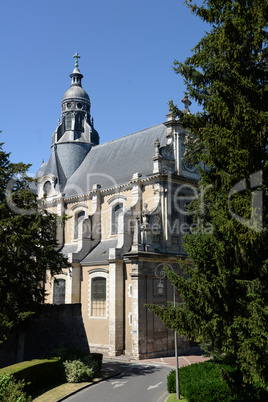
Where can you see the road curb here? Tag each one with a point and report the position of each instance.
(116, 372)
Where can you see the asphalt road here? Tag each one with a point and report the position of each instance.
(136, 383)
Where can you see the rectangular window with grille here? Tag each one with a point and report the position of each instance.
(79, 121)
(98, 297)
(68, 121)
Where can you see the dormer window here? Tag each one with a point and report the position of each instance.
(47, 187)
(117, 205)
(78, 224)
(117, 209)
(79, 216)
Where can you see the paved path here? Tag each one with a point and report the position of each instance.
(162, 361)
(171, 362)
(134, 382)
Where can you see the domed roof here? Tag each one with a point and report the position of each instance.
(75, 92)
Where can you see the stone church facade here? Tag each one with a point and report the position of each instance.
(125, 203)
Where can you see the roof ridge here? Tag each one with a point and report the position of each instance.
(128, 135)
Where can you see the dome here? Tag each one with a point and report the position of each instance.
(75, 92)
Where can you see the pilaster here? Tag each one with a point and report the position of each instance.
(60, 223)
(135, 314)
(116, 308)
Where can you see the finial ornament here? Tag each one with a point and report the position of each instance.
(156, 146)
(76, 56)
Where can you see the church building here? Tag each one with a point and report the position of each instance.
(125, 203)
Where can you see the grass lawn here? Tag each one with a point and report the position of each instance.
(172, 398)
(58, 391)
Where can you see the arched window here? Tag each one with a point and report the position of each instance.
(98, 297)
(59, 291)
(69, 118)
(117, 209)
(78, 224)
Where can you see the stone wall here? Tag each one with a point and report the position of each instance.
(55, 326)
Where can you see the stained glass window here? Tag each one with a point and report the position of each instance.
(59, 291)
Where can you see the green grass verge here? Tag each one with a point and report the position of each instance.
(57, 391)
(173, 398)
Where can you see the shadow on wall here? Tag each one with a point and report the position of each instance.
(54, 327)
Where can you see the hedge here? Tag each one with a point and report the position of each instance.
(97, 357)
(40, 372)
(36, 373)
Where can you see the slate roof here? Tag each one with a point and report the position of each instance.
(49, 167)
(116, 161)
(101, 252)
(41, 171)
(75, 92)
(69, 248)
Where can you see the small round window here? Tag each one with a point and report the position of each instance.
(79, 105)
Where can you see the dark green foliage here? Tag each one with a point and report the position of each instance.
(11, 390)
(28, 247)
(69, 353)
(203, 382)
(226, 291)
(94, 360)
(171, 382)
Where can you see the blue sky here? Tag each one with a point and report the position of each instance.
(127, 50)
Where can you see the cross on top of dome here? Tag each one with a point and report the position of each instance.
(76, 56)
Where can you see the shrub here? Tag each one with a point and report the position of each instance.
(171, 382)
(204, 382)
(12, 391)
(94, 361)
(92, 364)
(77, 371)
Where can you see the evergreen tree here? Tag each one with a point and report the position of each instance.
(28, 246)
(225, 289)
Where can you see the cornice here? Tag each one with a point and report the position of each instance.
(126, 186)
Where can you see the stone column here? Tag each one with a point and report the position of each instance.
(135, 314)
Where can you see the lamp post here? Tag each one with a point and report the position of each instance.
(160, 289)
